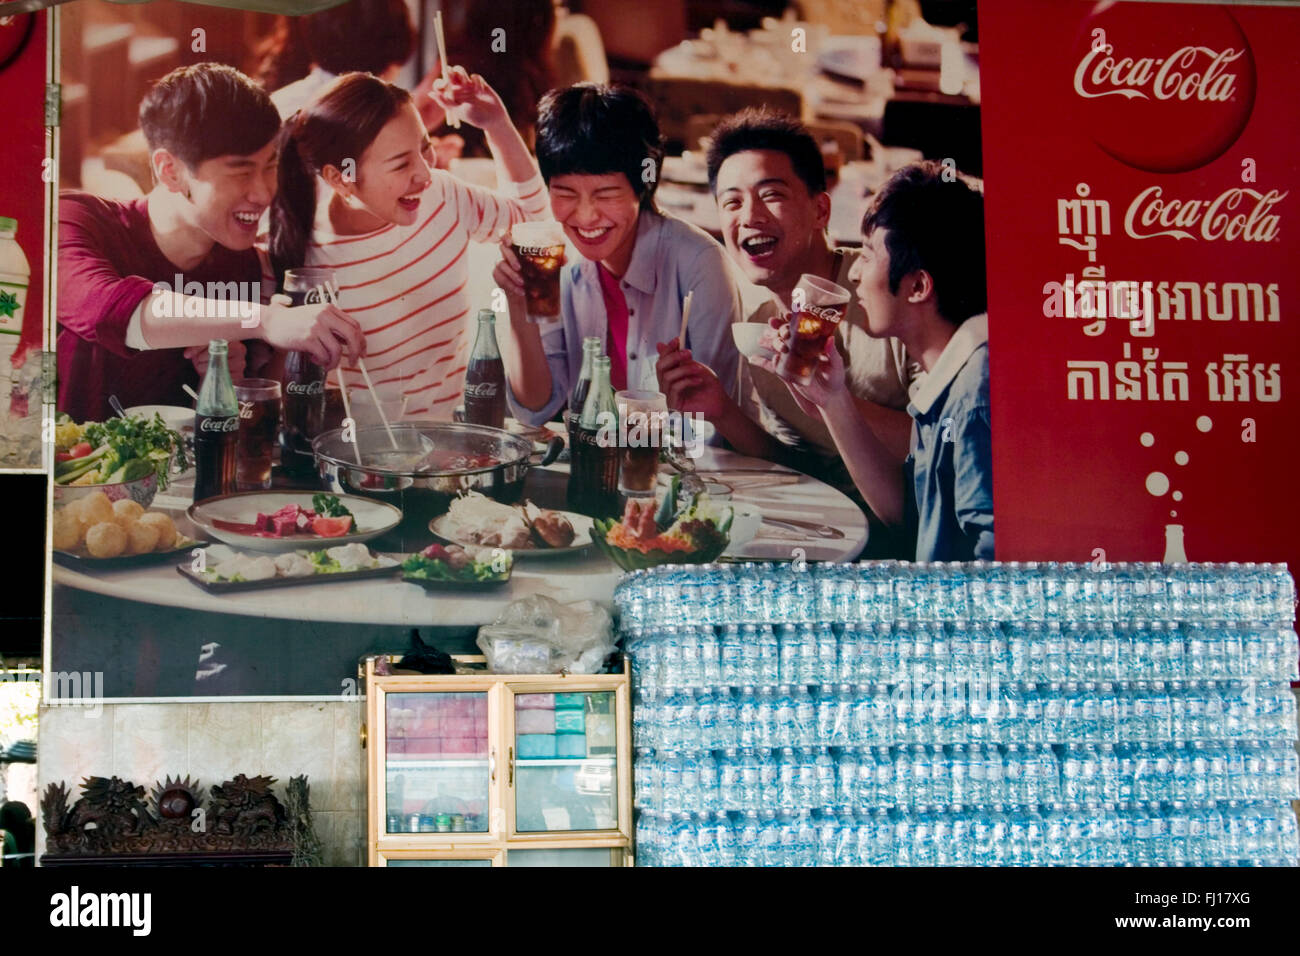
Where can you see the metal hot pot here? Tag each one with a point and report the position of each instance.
(423, 466)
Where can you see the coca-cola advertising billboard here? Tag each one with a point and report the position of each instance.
(1141, 263)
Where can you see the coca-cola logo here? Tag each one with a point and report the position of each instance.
(305, 388)
(1235, 214)
(246, 410)
(540, 251)
(829, 312)
(230, 424)
(1163, 89)
(1183, 75)
(481, 390)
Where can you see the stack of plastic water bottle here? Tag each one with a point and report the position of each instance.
(1017, 714)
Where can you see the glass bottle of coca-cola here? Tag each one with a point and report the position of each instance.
(591, 348)
(485, 378)
(303, 388)
(593, 462)
(216, 428)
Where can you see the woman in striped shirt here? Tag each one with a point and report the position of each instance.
(396, 231)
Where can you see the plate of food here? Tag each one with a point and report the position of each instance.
(224, 569)
(92, 531)
(675, 529)
(476, 521)
(280, 521)
(453, 568)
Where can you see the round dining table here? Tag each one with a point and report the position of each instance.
(797, 517)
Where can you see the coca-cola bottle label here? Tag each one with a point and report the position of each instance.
(305, 388)
(482, 390)
(230, 424)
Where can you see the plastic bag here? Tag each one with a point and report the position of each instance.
(539, 635)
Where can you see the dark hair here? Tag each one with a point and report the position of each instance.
(207, 110)
(527, 27)
(340, 123)
(935, 222)
(595, 129)
(364, 35)
(367, 36)
(766, 128)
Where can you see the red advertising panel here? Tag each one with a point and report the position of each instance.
(1142, 254)
(22, 90)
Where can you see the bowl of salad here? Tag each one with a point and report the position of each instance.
(122, 457)
(674, 530)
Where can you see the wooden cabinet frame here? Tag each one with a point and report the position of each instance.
(503, 764)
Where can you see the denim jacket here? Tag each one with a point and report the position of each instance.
(950, 469)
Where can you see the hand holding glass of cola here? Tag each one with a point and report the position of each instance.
(539, 246)
(817, 308)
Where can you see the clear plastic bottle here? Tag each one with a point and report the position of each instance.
(787, 769)
(729, 784)
(688, 719)
(769, 777)
(805, 718)
(750, 783)
(826, 786)
(826, 667)
(671, 797)
(846, 779)
(769, 661)
(747, 708)
(787, 731)
(788, 637)
(708, 783)
(748, 838)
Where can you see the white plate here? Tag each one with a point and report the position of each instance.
(581, 538)
(174, 417)
(372, 518)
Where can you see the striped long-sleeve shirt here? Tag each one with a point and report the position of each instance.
(406, 286)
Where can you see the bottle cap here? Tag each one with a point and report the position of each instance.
(8, 225)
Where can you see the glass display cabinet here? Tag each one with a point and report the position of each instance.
(480, 769)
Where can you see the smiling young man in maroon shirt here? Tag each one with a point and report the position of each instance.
(212, 135)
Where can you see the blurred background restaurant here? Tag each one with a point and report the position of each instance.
(880, 82)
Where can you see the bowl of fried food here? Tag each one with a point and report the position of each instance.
(95, 526)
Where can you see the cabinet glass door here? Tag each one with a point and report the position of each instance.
(437, 777)
(565, 762)
(595, 856)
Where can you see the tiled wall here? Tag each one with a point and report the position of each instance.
(144, 743)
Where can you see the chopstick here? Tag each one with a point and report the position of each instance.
(333, 296)
(686, 315)
(347, 411)
(452, 121)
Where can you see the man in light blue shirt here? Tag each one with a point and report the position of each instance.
(921, 279)
(599, 149)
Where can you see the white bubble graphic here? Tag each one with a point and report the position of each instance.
(1147, 439)
(1181, 457)
(1204, 424)
(1157, 483)
(1177, 496)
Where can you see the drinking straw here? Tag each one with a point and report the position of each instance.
(191, 393)
(452, 121)
(332, 294)
(347, 411)
(686, 314)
